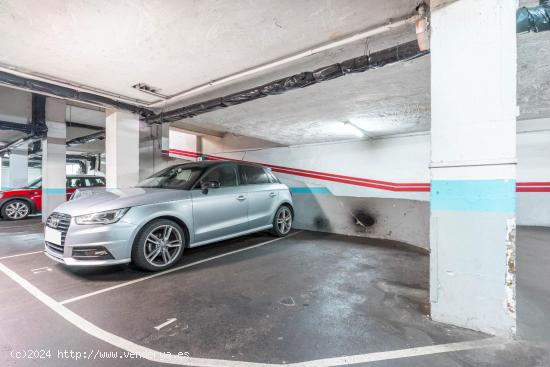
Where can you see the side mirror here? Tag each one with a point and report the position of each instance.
(205, 185)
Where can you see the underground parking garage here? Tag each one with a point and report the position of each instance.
(309, 183)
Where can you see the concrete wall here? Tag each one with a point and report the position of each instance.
(534, 166)
(352, 209)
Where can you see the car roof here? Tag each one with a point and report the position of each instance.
(79, 176)
(206, 164)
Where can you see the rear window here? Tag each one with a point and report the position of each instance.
(254, 175)
(94, 181)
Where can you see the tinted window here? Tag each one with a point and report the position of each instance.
(225, 175)
(94, 181)
(75, 182)
(254, 175)
(274, 179)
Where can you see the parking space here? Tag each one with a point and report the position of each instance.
(306, 183)
(257, 299)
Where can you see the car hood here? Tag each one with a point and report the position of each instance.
(109, 199)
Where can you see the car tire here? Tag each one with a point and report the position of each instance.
(282, 221)
(153, 251)
(16, 210)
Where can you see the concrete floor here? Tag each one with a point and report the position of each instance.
(308, 297)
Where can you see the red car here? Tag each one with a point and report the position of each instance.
(19, 203)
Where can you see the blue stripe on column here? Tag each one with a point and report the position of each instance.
(54, 191)
(474, 195)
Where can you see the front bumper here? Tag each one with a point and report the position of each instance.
(116, 239)
(69, 261)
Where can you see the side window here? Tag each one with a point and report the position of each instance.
(98, 181)
(274, 178)
(255, 175)
(74, 182)
(225, 175)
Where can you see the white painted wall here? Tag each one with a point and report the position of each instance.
(342, 208)
(396, 159)
(533, 208)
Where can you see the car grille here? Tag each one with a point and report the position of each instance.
(54, 248)
(63, 227)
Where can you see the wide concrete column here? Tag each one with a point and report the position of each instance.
(54, 157)
(121, 149)
(19, 166)
(473, 165)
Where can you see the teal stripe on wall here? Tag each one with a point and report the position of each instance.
(309, 190)
(474, 195)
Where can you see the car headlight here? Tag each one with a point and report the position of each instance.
(107, 217)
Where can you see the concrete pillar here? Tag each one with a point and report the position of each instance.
(473, 165)
(165, 137)
(122, 149)
(54, 157)
(4, 174)
(19, 166)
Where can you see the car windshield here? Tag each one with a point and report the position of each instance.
(35, 184)
(178, 177)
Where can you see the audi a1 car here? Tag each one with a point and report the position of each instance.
(182, 206)
(20, 203)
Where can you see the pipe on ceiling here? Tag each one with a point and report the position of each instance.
(100, 135)
(14, 126)
(535, 19)
(390, 25)
(41, 87)
(403, 52)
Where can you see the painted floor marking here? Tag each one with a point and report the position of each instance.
(78, 298)
(41, 270)
(168, 322)
(161, 357)
(23, 254)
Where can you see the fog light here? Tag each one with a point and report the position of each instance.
(91, 253)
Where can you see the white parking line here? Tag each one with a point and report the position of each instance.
(168, 322)
(161, 357)
(23, 254)
(78, 298)
(41, 270)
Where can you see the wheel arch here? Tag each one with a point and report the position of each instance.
(22, 198)
(179, 221)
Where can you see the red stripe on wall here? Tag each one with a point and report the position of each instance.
(356, 181)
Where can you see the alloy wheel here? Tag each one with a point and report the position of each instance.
(17, 210)
(162, 245)
(284, 220)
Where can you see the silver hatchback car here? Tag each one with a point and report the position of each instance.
(182, 206)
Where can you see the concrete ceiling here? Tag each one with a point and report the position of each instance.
(176, 45)
(173, 45)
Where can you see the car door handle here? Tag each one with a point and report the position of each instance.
(241, 197)
(272, 194)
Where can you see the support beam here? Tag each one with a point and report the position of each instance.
(473, 168)
(53, 157)
(19, 166)
(122, 149)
